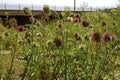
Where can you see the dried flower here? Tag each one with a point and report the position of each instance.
(12, 22)
(70, 19)
(77, 37)
(58, 41)
(85, 23)
(95, 36)
(108, 37)
(104, 24)
(77, 15)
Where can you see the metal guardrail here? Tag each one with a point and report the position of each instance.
(9, 6)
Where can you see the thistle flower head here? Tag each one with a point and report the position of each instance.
(46, 9)
(77, 37)
(27, 11)
(104, 23)
(12, 22)
(85, 23)
(76, 20)
(58, 41)
(20, 28)
(95, 36)
(108, 37)
(77, 15)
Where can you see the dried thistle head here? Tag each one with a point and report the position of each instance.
(58, 41)
(104, 24)
(108, 37)
(77, 37)
(85, 23)
(95, 36)
(77, 15)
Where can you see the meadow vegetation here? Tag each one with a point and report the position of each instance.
(77, 46)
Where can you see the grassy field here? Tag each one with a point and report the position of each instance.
(62, 49)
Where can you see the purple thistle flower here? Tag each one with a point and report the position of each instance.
(20, 28)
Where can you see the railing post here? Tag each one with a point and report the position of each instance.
(74, 5)
(32, 6)
(5, 5)
(19, 6)
(55, 7)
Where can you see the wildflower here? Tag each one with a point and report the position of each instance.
(104, 24)
(27, 11)
(95, 36)
(12, 22)
(76, 36)
(85, 23)
(108, 37)
(20, 28)
(70, 19)
(58, 41)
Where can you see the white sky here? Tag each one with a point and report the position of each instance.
(93, 3)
